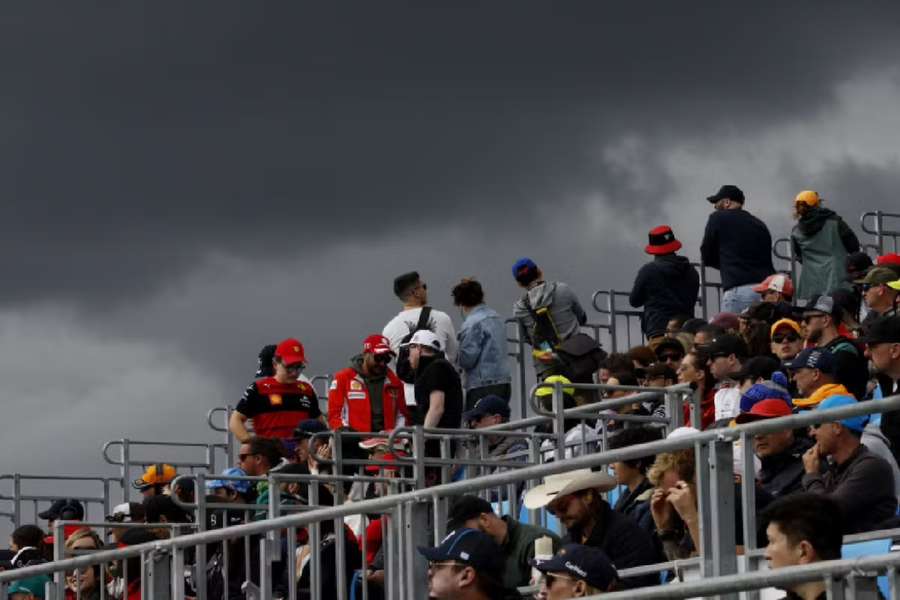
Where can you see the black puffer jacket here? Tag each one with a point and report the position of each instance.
(666, 287)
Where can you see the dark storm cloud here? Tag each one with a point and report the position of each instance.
(142, 139)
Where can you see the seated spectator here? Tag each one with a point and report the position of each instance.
(235, 491)
(305, 449)
(133, 566)
(694, 370)
(821, 318)
(576, 571)
(705, 335)
(65, 509)
(802, 529)
(780, 452)
(28, 588)
(882, 341)
(86, 583)
(891, 260)
(775, 289)
(276, 404)
(616, 362)
(576, 430)
(670, 351)
(727, 322)
(162, 509)
(657, 376)
(482, 345)
(635, 501)
(675, 324)
(786, 339)
(515, 540)
(861, 483)
(490, 411)
(30, 547)
(813, 373)
(758, 369)
(693, 325)
(765, 390)
(127, 512)
(574, 497)
(666, 286)
(879, 297)
(256, 458)
(727, 354)
(184, 491)
(465, 565)
(155, 480)
(641, 357)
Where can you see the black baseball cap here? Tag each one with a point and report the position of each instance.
(67, 509)
(468, 546)
(726, 345)
(586, 563)
(669, 344)
(489, 405)
(885, 330)
(732, 192)
(813, 358)
(308, 428)
(465, 508)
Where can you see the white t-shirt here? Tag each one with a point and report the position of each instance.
(728, 403)
(405, 323)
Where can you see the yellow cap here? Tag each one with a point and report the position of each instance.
(548, 390)
(808, 197)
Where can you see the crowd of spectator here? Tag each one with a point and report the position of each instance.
(775, 349)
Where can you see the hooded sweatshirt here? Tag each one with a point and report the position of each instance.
(666, 287)
(375, 386)
(821, 241)
(565, 311)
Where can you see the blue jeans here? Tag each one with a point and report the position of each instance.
(738, 298)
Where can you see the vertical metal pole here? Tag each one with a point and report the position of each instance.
(229, 438)
(748, 493)
(160, 560)
(17, 500)
(704, 306)
(613, 334)
(417, 533)
(59, 578)
(126, 463)
(704, 502)
(721, 463)
(419, 448)
(200, 560)
(878, 229)
(673, 410)
(560, 425)
(520, 358)
(315, 543)
(292, 574)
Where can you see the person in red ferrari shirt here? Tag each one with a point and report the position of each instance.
(368, 395)
(278, 403)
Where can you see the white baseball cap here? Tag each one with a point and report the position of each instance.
(423, 337)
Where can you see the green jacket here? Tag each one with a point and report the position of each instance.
(821, 241)
(518, 550)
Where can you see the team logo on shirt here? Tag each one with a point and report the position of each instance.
(355, 385)
(276, 400)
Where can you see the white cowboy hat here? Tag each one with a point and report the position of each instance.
(562, 484)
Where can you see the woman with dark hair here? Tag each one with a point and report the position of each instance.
(27, 541)
(635, 502)
(695, 371)
(482, 345)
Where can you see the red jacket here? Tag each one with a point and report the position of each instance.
(707, 409)
(349, 404)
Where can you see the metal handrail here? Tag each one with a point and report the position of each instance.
(879, 230)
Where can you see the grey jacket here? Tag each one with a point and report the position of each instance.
(565, 310)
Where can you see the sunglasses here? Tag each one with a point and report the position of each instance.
(296, 368)
(243, 456)
(789, 337)
(669, 357)
(383, 358)
(434, 565)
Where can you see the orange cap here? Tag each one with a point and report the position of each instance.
(808, 197)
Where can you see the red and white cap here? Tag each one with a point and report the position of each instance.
(377, 344)
(290, 351)
(779, 282)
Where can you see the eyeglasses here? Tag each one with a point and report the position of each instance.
(243, 456)
(296, 368)
(383, 358)
(788, 337)
(670, 357)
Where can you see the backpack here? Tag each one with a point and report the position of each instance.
(543, 332)
(404, 370)
(580, 357)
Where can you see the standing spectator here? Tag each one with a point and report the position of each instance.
(780, 452)
(821, 318)
(549, 314)
(666, 287)
(276, 404)
(439, 396)
(413, 293)
(515, 540)
(368, 395)
(739, 245)
(155, 480)
(482, 351)
(860, 482)
(465, 566)
(879, 296)
(574, 497)
(821, 241)
(803, 529)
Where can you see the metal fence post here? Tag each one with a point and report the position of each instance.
(724, 557)
(126, 464)
(613, 334)
(559, 426)
(417, 534)
(17, 500)
(164, 575)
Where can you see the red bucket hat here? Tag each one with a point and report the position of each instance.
(662, 241)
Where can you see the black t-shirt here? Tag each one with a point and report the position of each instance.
(277, 408)
(436, 373)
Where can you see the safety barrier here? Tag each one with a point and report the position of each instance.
(18, 498)
(414, 518)
(886, 239)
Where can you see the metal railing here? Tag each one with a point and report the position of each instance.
(414, 517)
(19, 498)
(886, 239)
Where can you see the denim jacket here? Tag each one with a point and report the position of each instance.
(482, 348)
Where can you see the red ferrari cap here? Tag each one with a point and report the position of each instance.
(290, 351)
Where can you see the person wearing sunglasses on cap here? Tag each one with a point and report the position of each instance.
(276, 404)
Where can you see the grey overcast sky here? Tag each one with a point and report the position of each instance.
(185, 182)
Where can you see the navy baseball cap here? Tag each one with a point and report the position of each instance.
(468, 546)
(308, 428)
(586, 563)
(522, 266)
(489, 405)
(732, 192)
(813, 358)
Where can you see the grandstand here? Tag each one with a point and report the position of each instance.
(256, 543)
